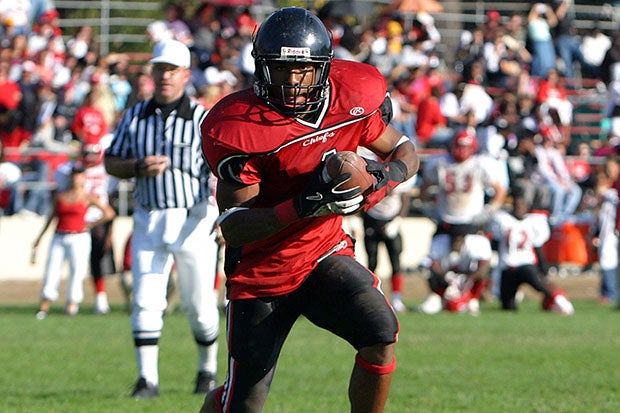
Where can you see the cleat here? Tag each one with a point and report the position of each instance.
(41, 315)
(474, 307)
(398, 305)
(72, 309)
(432, 304)
(144, 391)
(205, 382)
(101, 304)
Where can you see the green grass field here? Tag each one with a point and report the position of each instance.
(530, 361)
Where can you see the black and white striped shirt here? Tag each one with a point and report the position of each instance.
(142, 131)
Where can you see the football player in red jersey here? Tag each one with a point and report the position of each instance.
(286, 252)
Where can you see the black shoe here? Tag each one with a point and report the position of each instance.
(144, 390)
(205, 382)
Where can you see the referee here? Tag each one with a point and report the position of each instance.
(158, 142)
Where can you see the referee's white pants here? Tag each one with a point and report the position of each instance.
(76, 249)
(184, 237)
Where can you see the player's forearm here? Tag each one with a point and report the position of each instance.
(408, 156)
(120, 167)
(250, 225)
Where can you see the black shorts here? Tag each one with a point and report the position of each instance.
(340, 295)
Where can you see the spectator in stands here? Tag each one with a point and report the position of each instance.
(424, 31)
(386, 49)
(611, 109)
(89, 124)
(552, 94)
(204, 28)
(566, 40)
(43, 9)
(492, 25)
(142, 88)
(523, 172)
(470, 49)
(404, 112)
(431, 124)
(610, 69)
(516, 29)
(10, 174)
(174, 19)
(552, 168)
(10, 97)
(474, 97)
(16, 14)
(605, 238)
(610, 146)
(119, 83)
(594, 45)
(505, 59)
(541, 20)
(79, 45)
(581, 168)
(43, 33)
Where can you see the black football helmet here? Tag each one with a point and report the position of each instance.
(292, 34)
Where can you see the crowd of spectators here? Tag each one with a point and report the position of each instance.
(509, 79)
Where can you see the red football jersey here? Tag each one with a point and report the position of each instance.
(246, 141)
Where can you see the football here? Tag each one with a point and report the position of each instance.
(350, 162)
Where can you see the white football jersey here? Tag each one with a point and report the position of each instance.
(518, 238)
(462, 185)
(475, 248)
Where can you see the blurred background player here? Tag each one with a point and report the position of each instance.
(71, 241)
(463, 188)
(459, 273)
(521, 235)
(99, 184)
(382, 226)
(460, 181)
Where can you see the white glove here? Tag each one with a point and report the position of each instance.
(346, 207)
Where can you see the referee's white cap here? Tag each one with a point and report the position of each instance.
(172, 52)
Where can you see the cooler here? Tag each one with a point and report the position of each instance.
(569, 243)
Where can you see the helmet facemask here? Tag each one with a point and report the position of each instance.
(285, 97)
(295, 38)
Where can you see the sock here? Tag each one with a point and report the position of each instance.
(147, 358)
(207, 358)
(99, 285)
(397, 283)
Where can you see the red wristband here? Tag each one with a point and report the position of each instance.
(286, 213)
